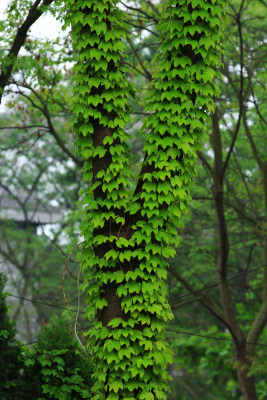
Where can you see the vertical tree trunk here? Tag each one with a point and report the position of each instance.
(130, 238)
(247, 384)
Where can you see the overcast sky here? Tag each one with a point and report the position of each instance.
(47, 26)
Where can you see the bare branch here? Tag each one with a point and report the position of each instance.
(147, 73)
(140, 11)
(202, 298)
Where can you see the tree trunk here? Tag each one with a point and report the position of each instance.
(247, 383)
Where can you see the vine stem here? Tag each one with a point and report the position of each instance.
(64, 273)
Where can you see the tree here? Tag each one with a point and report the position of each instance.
(129, 237)
(35, 263)
(35, 12)
(208, 370)
(227, 150)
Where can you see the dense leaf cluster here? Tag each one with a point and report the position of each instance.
(10, 353)
(130, 237)
(54, 369)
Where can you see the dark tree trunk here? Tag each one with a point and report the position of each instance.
(247, 383)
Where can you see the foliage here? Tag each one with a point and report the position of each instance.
(10, 353)
(129, 242)
(56, 367)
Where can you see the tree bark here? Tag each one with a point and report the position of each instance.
(261, 317)
(247, 384)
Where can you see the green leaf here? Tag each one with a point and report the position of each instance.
(117, 276)
(100, 28)
(147, 396)
(134, 287)
(115, 322)
(157, 325)
(59, 360)
(168, 251)
(100, 151)
(121, 291)
(111, 254)
(116, 386)
(112, 396)
(144, 319)
(86, 153)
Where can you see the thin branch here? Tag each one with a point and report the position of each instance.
(142, 27)
(147, 73)
(23, 127)
(240, 97)
(205, 162)
(23, 141)
(136, 69)
(154, 8)
(256, 103)
(188, 389)
(33, 15)
(140, 11)
(44, 110)
(202, 298)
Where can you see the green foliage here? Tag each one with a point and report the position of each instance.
(58, 368)
(10, 353)
(129, 238)
(194, 355)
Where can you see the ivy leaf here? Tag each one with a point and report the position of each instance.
(147, 396)
(158, 357)
(102, 64)
(115, 322)
(113, 396)
(100, 28)
(111, 254)
(121, 291)
(183, 61)
(144, 319)
(168, 251)
(109, 345)
(147, 287)
(96, 53)
(133, 208)
(134, 287)
(100, 7)
(157, 324)
(100, 151)
(132, 385)
(134, 371)
(117, 276)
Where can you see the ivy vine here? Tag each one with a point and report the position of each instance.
(129, 238)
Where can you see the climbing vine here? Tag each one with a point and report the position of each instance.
(129, 237)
